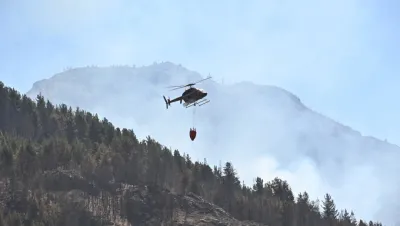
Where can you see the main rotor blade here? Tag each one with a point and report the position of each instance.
(177, 88)
(190, 84)
(202, 80)
(173, 86)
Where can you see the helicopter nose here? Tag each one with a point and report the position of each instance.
(204, 94)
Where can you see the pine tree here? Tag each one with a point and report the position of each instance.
(330, 212)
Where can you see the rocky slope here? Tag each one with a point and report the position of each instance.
(145, 205)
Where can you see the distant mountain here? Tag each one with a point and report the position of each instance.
(263, 130)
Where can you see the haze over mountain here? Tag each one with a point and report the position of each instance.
(264, 130)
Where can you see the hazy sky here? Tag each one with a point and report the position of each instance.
(340, 57)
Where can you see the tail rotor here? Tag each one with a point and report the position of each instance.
(167, 101)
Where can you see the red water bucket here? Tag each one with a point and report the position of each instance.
(192, 134)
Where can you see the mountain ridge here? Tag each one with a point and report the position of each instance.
(38, 85)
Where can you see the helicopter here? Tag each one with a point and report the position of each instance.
(191, 96)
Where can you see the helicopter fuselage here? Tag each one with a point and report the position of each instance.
(192, 95)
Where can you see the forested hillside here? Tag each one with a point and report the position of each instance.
(63, 166)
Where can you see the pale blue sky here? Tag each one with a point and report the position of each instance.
(340, 57)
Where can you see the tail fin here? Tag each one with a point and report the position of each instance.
(167, 102)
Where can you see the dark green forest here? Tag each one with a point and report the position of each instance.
(38, 138)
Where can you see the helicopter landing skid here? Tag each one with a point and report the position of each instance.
(197, 103)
